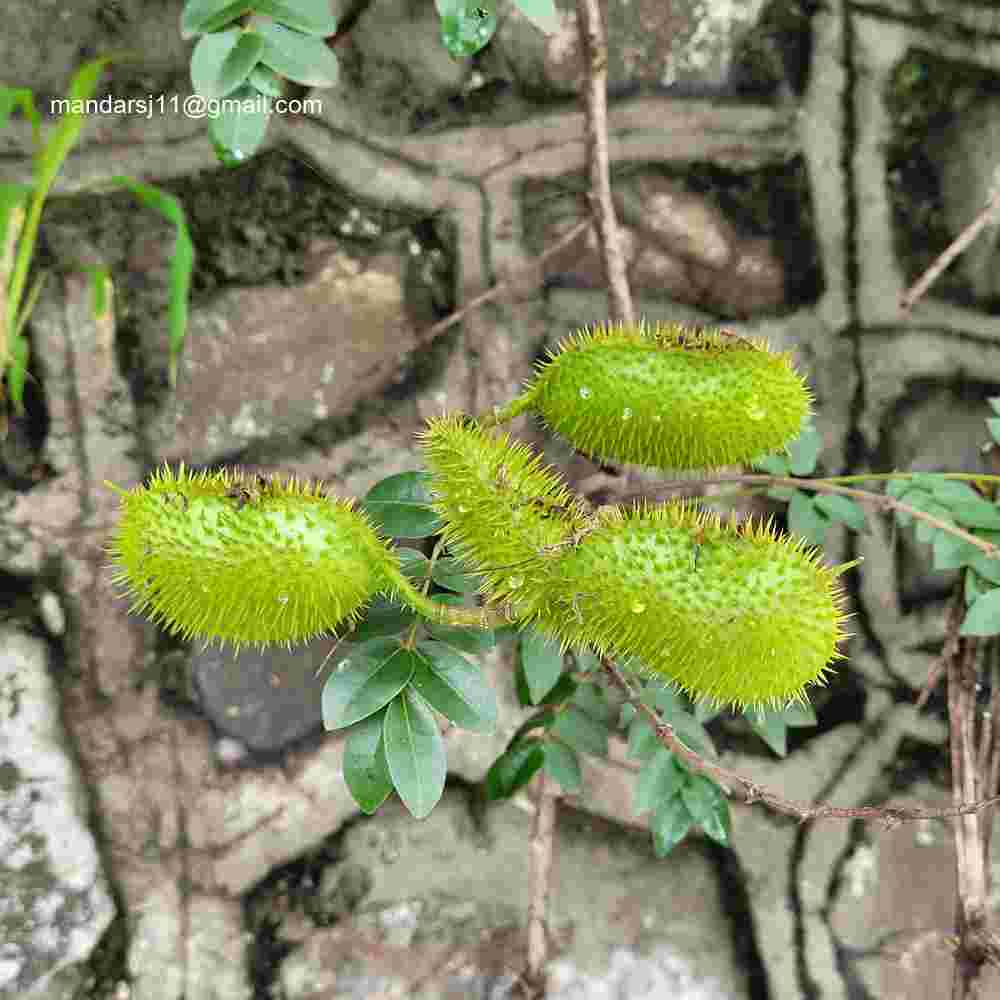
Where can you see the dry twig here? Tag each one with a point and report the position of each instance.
(917, 291)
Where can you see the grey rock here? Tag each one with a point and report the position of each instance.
(54, 900)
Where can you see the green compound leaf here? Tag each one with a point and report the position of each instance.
(368, 679)
(670, 825)
(926, 532)
(541, 659)
(693, 734)
(659, 779)
(415, 753)
(384, 618)
(297, 57)
(400, 506)
(708, 807)
(201, 16)
(564, 690)
(952, 491)
(208, 62)
(806, 519)
(841, 508)
(950, 552)
(918, 498)
(266, 81)
(513, 769)
(542, 14)
(240, 63)
(311, 17)
(642, 741)
(975, 586)
(238, 130)
(466, 27)
(563, 764)
(804, 451)
(987, 567)
(456, 575)
(366, 771)
(983, 618)
(662, 695)
(771, 727)
(774, 465)
(974, 512)
(591, 698)
(455, 687)
(581, 731)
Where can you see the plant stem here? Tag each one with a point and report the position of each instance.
(444, 614)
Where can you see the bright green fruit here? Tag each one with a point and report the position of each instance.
(668, 396)
(504, 513)
(246, 559)
(732, 614)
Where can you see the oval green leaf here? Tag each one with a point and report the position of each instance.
(311, 17)
(841, 508)
(670, 825)
(365, 769)
(208, 62)
(983, 618)
(455, 687)
(513, 769)
(241, 125)
(367, 679)
(542, 662)
(581, 731)
(201, 16)
(400, 506)
(542, 14)
(298, 57)
(415, 753)
(563, 765)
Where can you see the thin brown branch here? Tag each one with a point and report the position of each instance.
(540, 851)
(939, 668)
(964, 238)
(595, 57)
(970, 905)
(752, 792)
(429, 334)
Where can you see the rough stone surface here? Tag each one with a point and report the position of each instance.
(54, 898)
(426, 938)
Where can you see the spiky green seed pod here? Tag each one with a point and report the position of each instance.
(732, 614)
(246, 559)
(502, 509)
(668, 396)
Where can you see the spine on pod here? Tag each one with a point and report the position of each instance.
(504, 513)
(668, 396)
(732, 614)
(246, 559)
